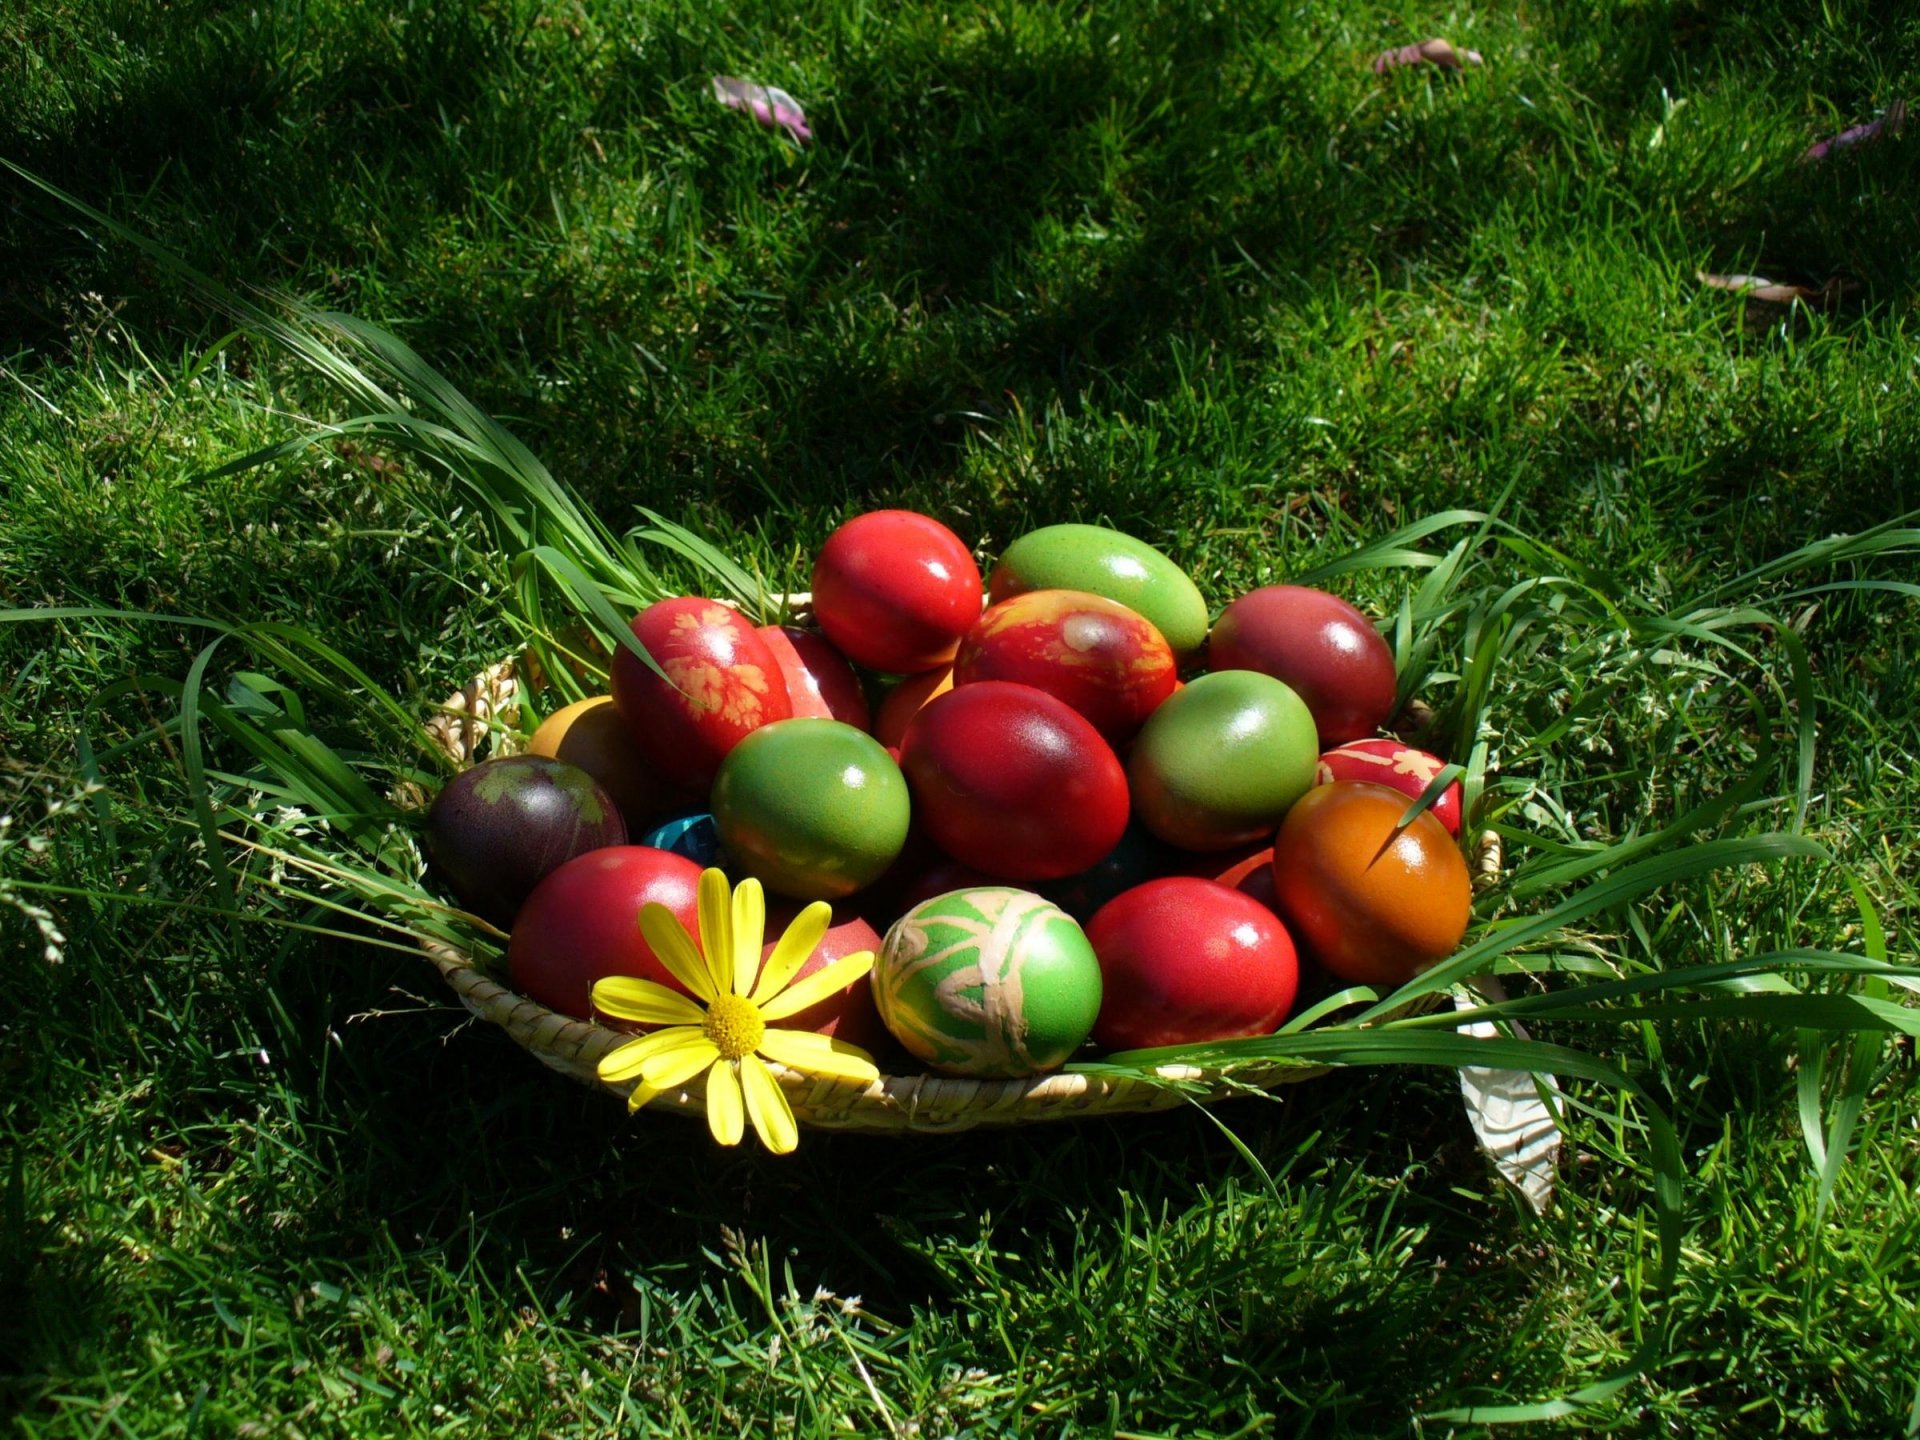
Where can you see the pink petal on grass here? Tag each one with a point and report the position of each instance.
(1428, 52)
(773, 108)
(1888, 124)
(1773, 292)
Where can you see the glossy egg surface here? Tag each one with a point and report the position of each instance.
(848, 1014)
(820, 683)
(995, 983)
(1220, 762)
(1397, 766)
(1184, 960)
(1106, 661)
(589, 733)
(1106, 562)
(1013, 782)
(1370, 908)
(895, 590)
(582, 924)
(1319, 644)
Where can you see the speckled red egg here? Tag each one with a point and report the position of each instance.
(582, 924)
(1321, 646)
(848, 1014)
(1013, 782)
(895, 590)
(1185, 960)
(1106, 661)
(1398, 766)
(721, 684)
(820, 683)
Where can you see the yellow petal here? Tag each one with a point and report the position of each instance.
(639, 1096)
(716, 930)
(803, 937)
(818, 1055)
(749, 926)
(724, 1116)
(818, 986)
(673, 1065)
(628, 998)
(669, 941)
(767, 1107)
(624, 1063)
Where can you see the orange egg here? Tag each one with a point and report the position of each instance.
(589, 733)
(903, 702)
(1372, 908)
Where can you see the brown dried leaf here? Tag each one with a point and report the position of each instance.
(1428, 52)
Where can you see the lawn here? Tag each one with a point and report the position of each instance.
(1196, 272)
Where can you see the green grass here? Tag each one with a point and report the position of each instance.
(1196, 272)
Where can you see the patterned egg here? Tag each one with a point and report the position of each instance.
(1388, 762)
(811, 808)
(582, 924)
(993, 983)
(1106, 661)
(1219, 763)
(721, 684)
(589, 733)
(1013, 782)
(895, 591)
(1106, 562)
(1320, 645)
(820, 683)
(1372, 908)
(906, 700)
(1185, 960)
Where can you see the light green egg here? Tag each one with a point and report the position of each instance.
(1105, 562)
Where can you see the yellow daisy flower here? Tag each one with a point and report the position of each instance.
(724, 1030)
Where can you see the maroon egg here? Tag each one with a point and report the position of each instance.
(848, 1014)
(895, 591)
(722, 683)
(1185, 960)
(1321, 646)
(1248, 870)
(1398, 766)
(1106, 661)
(1013, 782)
(820, 683)
(582, 924)
(497, 830)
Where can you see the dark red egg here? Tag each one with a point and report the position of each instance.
(722, 683)
(1013, 782)
(895, 590)
(1185, 960)
(497, 830)
(1398, 766)
(582, 924)
(1139, 857)
(1321, 646)
(847, 1014)
(1248, 870)
(820, 683)
(1106, 661)
(906, 700)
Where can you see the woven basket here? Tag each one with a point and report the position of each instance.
(482, 717)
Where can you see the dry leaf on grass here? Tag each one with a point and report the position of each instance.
(1888, 124)
(773, 108)
(1516, 1128)
(1773, 292)
(1428, 52)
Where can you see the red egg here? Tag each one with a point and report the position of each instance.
(820, 683)
(1013, 782)
(582, 924)
(895, 591)
(722, 683)
(1400, 767)
(1106, 661)
(849, 1014)
(1321, 646)
(1185, 960)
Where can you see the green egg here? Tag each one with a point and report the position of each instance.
(1105, 562)
(813, 809)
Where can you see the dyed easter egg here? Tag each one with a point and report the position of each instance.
(1013, 782)
(582, 924)
(1400, 767)
(589, 733)
(497, 830)
(1106, 661)
(993, 983)
(895, 591)
(848, 1014)
(906, 700)
(1139, 857)
(1320, 645)
(1248, 870)
(1184, 960)
(1371, 908)
(1105, 562)
(820, 683)
(1219, 763)
(721, 684)
(811, 808)
(692, 834)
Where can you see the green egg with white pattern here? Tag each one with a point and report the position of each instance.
(992, 983)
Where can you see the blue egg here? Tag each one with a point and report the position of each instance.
(692, 835)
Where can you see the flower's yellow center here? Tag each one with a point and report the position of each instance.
(734, 1025)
